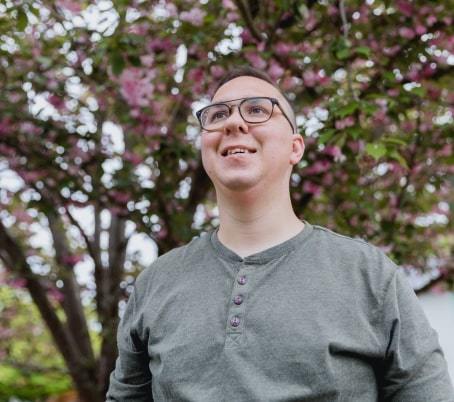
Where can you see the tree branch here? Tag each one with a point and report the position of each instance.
(14, 257)
(244, 11)
(72, 304)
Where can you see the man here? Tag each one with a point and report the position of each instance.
(269, 307)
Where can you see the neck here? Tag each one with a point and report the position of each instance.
(252, 221)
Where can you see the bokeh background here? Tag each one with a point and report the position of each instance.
(100, 169)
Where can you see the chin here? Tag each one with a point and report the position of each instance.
(238, 184)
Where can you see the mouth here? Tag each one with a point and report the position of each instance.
(237, 151)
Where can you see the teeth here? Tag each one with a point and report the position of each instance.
(236, 151)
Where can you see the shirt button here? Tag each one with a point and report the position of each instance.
(238, 300)
(242, 280)
(234, 321)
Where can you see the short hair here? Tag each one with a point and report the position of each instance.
(248, 71)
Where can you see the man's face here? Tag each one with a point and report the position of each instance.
(271, 147)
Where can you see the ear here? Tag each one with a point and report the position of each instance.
(297, 149)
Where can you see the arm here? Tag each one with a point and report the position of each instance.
(414, 369)
(131, 379)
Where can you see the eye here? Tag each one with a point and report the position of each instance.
(217, 116)
(256, 110)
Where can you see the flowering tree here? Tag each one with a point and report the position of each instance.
(98, 141)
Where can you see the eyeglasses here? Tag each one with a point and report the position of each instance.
(252, 110)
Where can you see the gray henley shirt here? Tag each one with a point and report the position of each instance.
(320, 317)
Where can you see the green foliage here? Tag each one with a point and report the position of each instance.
(31, 367)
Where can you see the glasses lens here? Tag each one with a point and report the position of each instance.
(256, 110)
(213, 116)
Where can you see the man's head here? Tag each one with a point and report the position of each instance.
(249, 140)
(247, 71)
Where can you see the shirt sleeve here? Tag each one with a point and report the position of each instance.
(131, 379)
(414, 369)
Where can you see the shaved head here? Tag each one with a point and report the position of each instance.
(252, 72)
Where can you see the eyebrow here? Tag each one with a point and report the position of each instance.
(244, 97)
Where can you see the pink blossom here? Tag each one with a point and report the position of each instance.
(246, 37)
(344, 123)
(380, 117)
(332, 10)
(72, 259)
(311, 188)
(171, 9)
(217, 71)
(405, 7)
(162, 233)
(289, 83)
(30, 177)
(70, 5)
(428, 71)
(56, 101)
(17, 283)
(327, 179)
(311, 21)
(228, 5)
(138, 29)
(194, 17)
(415, 72)
(15, 97)
(283, 48)
(132, 158)
(433, 93)
(255, 60)
(393, 92)
(136, 86)
(446, 150)
(158, 45)
(120, 197)
(22, 216)
(5, 126)
(333, 150)
(232, 16)
(420, 29)
(55, 295)
(406, 33)
(424, 10)
(317, 167)
(310, 78)
(147, 60)
(196, 77)
(275, 70)
(431, 19)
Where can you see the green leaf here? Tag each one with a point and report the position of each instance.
(398, 157)
(355, 132)
(343, 54)
(419, 91)
(394, 140)
(22, 19)
(347, 109)
(34, 11)
(134, 60)
(363, 51)
(117, 62)
(326, 135)
(368, 108)
(376, 150)
(389, 76)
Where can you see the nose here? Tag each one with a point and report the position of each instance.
(235, 123)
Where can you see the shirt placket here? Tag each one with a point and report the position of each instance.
(237, 307)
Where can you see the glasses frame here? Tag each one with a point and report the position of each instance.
(274, 102)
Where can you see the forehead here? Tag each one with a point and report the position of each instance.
(243, 87)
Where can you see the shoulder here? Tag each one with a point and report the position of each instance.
(169, 264)
(352, 258)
